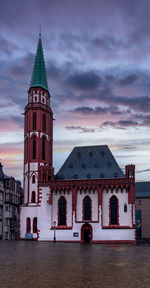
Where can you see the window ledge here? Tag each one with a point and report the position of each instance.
(61, 227)
(117, 227)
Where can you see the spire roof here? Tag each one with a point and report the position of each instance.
(39, 78)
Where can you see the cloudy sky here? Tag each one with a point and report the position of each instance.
(97, 56)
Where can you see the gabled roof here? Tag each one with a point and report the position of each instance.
(142, 189)
(90, 162)
(39, 78)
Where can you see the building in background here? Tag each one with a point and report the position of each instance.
(10, 199)
(89, 200)
(142, 194)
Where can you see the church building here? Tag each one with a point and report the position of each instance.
(89, 200)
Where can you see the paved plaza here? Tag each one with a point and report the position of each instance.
(44, 264)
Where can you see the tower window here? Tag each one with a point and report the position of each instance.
(35, 225)
(33, 197)
(28, 225)
(87, 208)
(34, 148)
(34, 120)
(43, 148)
(125, 207)
(33, 179)
(113, 210)
(62, 210)
(44, 123)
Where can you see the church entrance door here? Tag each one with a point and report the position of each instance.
(86, 233)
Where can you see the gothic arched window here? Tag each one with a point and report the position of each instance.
(44, 123)
(87, 208)
(62, 210)
(113, 210)
(43, 148)
(28, 225)
(33, 179)
(33, 197)
(34, 148)
(34, 224)
(34, 120)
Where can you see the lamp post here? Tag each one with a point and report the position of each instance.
(54, 223)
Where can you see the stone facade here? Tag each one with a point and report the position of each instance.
(10, 199)
(89, 200)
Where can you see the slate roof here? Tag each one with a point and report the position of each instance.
(39, 78)
(90, 162)
(142, 189)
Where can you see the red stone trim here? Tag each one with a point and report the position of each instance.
(117, 227)
(61, 228)
(133, 242)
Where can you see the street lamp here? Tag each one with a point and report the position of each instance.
(54, 223)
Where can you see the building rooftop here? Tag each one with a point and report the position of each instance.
(90, 162)
(142, 189)
(39, 78)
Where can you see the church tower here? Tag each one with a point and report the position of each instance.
(38, 132)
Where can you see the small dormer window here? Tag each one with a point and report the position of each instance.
(35, 99)
(43, 100)
(79, 154)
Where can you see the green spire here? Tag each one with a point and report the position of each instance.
(39, 78)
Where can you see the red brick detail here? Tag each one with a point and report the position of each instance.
(74, 199)
(61, 227)
(133, 242)
(116, 227)
(99, 191)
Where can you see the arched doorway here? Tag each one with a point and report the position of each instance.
(86, 233)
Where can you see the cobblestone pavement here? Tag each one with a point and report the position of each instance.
(43, 264)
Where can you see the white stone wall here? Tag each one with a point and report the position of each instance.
(55, 198)
(125, 218)
(94, 198)
(46, 214)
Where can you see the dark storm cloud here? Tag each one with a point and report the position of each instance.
(53, 71)
(84, 81)
(128, 80)
(84, 110)
(120, 124)
(19, 120)
(81, 129)
(7, 47)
